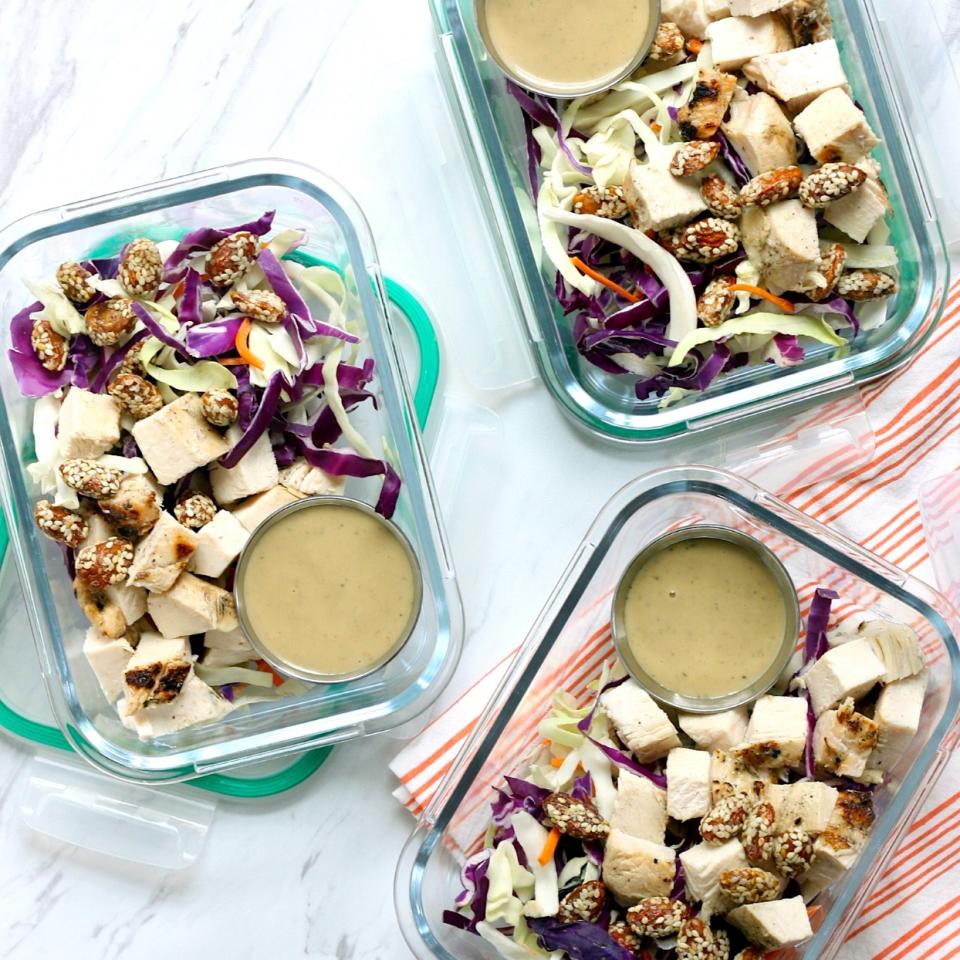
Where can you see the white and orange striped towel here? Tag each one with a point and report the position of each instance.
(914, 912)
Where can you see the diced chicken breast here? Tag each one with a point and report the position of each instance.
(251, 513)
(798, 76)
(760, 132)
(700, 117)
(689, 15)
(782, 242)
(131, 601)
(702, 866)
(634, 869)
(716, 731)
(834, 128)
(688, 783)
(196, 704)
(897, 645)
(836, 849)
(135, 507)
(639, 722)
(108, 659)
(640, 808)
(257, 470)
(858, 213)
(739, 39)
(157, 670)
(777, 733)
(754, 8)
(191, 606)
(778, 923)
(843, 741)
(848, 670)
(162, 555)
(226, 648)
(897, 714)
(89, 424)
(99, 529)
(311, 481)
(729, 774)
(807, 805)
(177, 439)
(658, 200)
(717, 9)
(219, 543)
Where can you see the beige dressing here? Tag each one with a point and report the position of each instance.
(704, 617)
(328, 589)
(564, 45)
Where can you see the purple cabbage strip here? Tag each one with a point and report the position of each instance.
(453, 919)
(837, 305)
(159, 331)
(632, 316)
(582, 787)
(700, 378)
(226, 691)
(189, 311)
(815, 645)
(789, 347)
(534, 153)
(213, 338)
(545, 114)
(259, 423)
(579, 940)
(32, 379)
(114, 360)
(207, 237)
(473, 896)
(654, 290)
(733, 160)
(626, 762)
(82, 358)
(130, 448)
(679, 889)
(626, 339)
(344, 463)
(284, 453)
(246, 397)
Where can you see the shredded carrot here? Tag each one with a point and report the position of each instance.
(784, 305)
(549, 848)
(178, 290)
(265, 667)
(606, 281)
(655, 127)
(694, 45)
(556, 762)
(241, 344)
(547, 742)
(232, 361)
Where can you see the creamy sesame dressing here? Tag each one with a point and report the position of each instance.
(704, 617)
(564, 45)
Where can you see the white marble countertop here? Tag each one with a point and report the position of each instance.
(103, 94)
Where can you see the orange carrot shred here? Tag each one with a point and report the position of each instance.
(240, 343)
(178, 290)
(655, 127)
(549, 848)
(694, 44)
(547, 742)
(232, 361)
(606, 281)
(265, 667)
(784, 305)
(556, 762)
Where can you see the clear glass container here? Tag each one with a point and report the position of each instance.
(604, 403)
(338, 235)
(571, 637)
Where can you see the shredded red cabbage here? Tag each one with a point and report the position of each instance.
(269, 401)
(544, 112)
(189, 309)
(160, 332)
(213, 338)
(114, 360)
(789, 346)
(580, 940)
(207, 237)
(626, 762)
(83, 357)
(32, 379)
(815, 645)
(734, 161)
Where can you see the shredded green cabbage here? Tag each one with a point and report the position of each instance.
(218, 676)
(532, 837)
(57, 310)
(506, 876)
(197, 377)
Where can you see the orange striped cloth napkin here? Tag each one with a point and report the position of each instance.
(914, 913)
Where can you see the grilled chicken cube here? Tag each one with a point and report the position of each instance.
(131, 601)
(718, 9)
(897, 645)
(777, 733)
(809, 21)
(760, 132)
(657, 200)
(798, 76)
(640, 808)
(157, 670)
(739, 39)
(702, 866)
(700, 117)
(688, 783)
(835, 129)
(729, 774)
(88, 425)
(99, 529)
(256, 471)
(108, 660)
(775, 924)
(836, 849)
(634, 869)
(782, 242)
(178, 439)
(807, 805)
(858, 213)
(716, 731)
(689, 15)
(755, 8)
(253, 511)
(843, 741)
(162, 555)
(226, 648)
(849, 670)
(135, 507)
(311, 481)
(219, 543)
(197, 703)
(639, 722)
(192, 606)
(897, 714)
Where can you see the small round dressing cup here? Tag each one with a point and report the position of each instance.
(756, 688)
(277, 661)
(567, 91)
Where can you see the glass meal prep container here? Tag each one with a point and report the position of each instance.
(495, 144)
(328, 713)
(568, 644)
